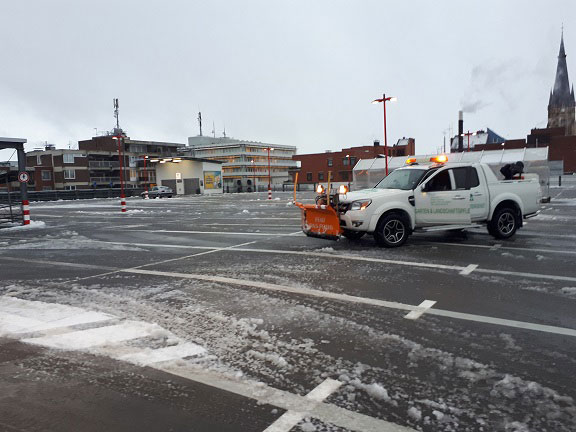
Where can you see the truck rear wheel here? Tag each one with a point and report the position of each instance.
(392, 230)
(504, 223)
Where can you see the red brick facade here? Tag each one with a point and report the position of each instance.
(315, 167)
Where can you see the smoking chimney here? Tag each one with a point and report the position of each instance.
(460, 132)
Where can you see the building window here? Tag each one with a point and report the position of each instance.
(69, 174)
(309, 176)
(139, 148)
(345, 175)
(47, 188)
(345, 161)
(320, 176)
(352, 161)
(46, 175)
(330, 162)
(68, 158)
(73, 187)
(38, 159)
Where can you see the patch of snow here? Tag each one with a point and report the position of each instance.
(34, 224)
(308, 427)
(415, 413)
(326, 250)
(571, 291)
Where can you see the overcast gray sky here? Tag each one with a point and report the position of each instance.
(295, 72)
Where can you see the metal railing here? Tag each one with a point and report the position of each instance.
(104, 179)
(55, 195)
(103, 164)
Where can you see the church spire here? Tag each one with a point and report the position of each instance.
(561, 95)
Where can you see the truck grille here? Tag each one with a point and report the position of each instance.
(343, 207)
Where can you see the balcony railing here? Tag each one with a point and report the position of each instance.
(104, 179)
(104, 164)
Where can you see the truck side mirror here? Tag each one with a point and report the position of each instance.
(424, 187)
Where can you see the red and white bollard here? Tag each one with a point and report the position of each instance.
(26, 212)
(123, 203)
(269, 193)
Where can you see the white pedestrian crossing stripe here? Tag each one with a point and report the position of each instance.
(55, 326)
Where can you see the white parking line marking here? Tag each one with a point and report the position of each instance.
(499, 246)
(361, 300)
(469, 269)
(291, 418)
(345, 297)
(169, 260)
(248, 233)
(252, 225)
(324, 255)
(322, 411)
(421, 309)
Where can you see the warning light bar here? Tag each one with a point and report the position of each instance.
(439, 159)
(411, 161)
(320, 189)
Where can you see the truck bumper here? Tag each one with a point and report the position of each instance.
(352, 222)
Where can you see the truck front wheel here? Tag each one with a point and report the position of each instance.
(504, 223)
(392, 231)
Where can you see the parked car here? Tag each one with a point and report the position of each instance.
(158, 192)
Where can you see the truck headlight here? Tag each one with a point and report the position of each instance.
(360, 204)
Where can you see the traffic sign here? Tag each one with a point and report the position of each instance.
(23, 177)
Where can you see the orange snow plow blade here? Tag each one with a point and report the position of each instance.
(320, 221)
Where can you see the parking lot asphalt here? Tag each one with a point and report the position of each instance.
(263, 328)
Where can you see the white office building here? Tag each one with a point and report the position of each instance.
(245, 164)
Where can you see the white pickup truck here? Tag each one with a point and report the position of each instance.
(438, 197)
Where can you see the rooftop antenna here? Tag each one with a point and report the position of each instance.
(200, 121)
(224, 130)
(213, 130)
(116, 107)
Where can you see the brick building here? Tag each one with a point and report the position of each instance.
(315, 167)
(95, 164)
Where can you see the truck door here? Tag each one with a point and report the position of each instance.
(438, 202)
(479, 197)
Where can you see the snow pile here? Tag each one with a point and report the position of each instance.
(414, 413)
(571, 291)
(326, 250)
(18, 227)
(375, 390)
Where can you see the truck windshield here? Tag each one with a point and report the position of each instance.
(405, 179)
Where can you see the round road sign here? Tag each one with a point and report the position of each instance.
(23, 177)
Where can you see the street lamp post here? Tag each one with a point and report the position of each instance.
(254, 174)
(383, 101)
(469, 134)
(269, 176)
(145, 175)
(350, 165)
(118, 138)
